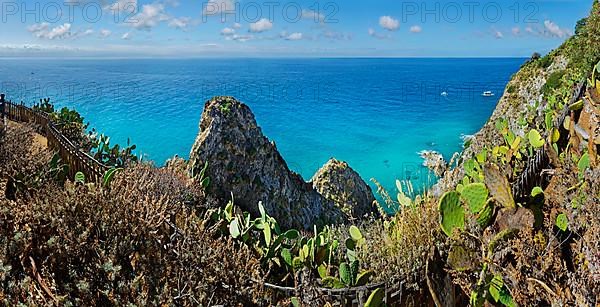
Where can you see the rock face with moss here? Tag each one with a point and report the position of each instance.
(339, 183)
(242, 161)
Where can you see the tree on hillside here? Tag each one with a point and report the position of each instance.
(580, 25)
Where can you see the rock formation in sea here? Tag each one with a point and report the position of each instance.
(339, 183)
(434, 161)
(243, 162)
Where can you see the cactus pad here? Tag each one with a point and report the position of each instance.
(535, 139)
(376, 298)
(355, 233)
(475, 194)
(345, 274)
(485, 215)
(452, 214)
(498, 185)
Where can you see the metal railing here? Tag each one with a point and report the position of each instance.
(71, 155)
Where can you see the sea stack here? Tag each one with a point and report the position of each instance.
(242, 161)
(339, 183)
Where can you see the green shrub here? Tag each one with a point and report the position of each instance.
(553, 82)
(511, 88)
(70, 123)
(579, 27)
(545, 62)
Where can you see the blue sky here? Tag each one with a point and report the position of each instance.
(312, 28)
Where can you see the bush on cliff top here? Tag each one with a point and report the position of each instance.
(141, 242)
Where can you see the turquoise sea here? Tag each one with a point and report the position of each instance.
(376, 114)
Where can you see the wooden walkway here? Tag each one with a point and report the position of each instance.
(77, 160)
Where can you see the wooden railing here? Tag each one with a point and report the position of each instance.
(532, 175)
(71, 155)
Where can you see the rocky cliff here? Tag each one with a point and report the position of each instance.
(242, 162)
(339, 183)
(537, 157)
(534, 95)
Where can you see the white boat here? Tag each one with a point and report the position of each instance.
(487, 94)
(444, 94)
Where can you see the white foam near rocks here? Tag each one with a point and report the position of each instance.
(434, 161)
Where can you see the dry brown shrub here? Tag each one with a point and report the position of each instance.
(399, 251)
(141, 241)
(18, 155)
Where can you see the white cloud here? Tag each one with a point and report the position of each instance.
(149, 17)
(374, 33)
(105, 33)
(215, 7)
(127, 36)
(516, 31)
(296, 36)
(38, 28)
(227, 31)
(332, 35)
(237, 25)
(554, 30)
(310, 14)
(180, 23)
(87, 32)
(42, 30)
(548, 30)
(389, 23)
(498, 34)
(35, 50)
(63, 31)
(239, 38)
(416, 29)
(261, 26)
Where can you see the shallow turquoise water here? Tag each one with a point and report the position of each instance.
(377, 114)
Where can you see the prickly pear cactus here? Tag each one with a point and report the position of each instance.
(376, 298)
(354, 267)
(475, 195)
(499, 187)
(485, 215)
(355, 233)
(452, 214)
(345, 273)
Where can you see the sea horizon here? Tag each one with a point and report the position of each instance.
(374, 113)
(247, 57)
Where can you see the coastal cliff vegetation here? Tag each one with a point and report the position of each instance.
(512, 221)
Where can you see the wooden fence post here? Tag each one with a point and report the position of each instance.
(2, 112)
(2, 104)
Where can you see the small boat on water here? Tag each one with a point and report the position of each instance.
(487, 94)
(444, 94)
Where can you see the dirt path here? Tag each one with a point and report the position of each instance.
(39, 141)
